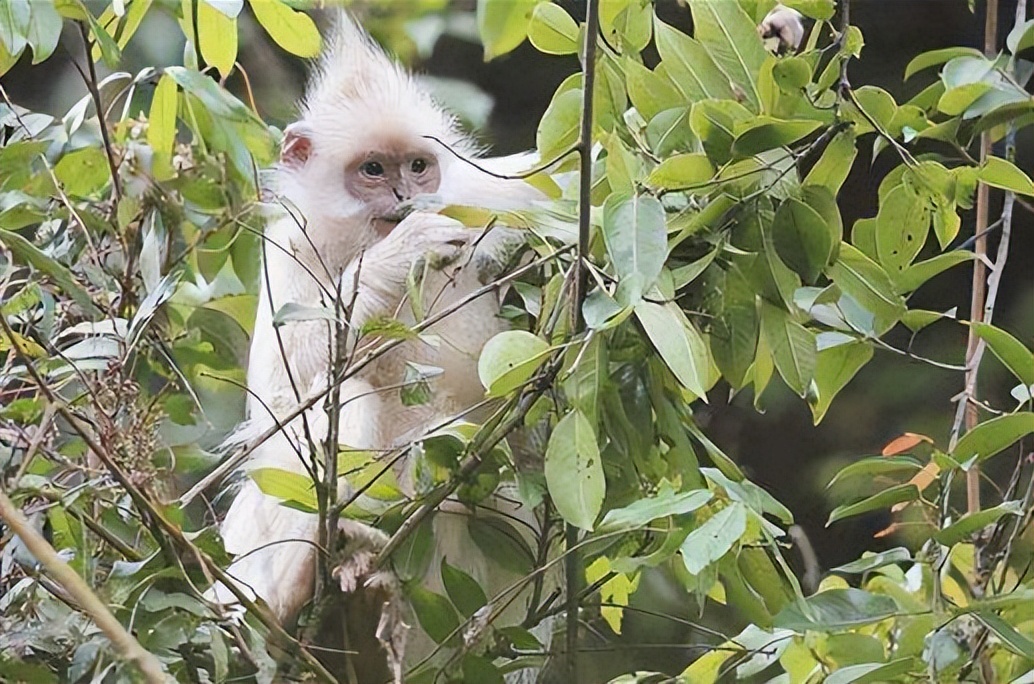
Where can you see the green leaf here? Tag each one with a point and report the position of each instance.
(690, 65)
(558, 129)
(992, 436)
(965, 526)
(1012, 638)
(1010, 351)
(502, 543)
(217, 37)
(872, 673)
(681, 171)
(509, 359)
(768, 134)
(552, 30)
(292, 30)
(803, 240)
(872, 561)
(957, 100)
(713, 539)
(1001, 173)
(637, 241)
(286, 486)
(25, 250)
(834, 368)
(649, 91)
(793, 347)
(109, 51)
(463, 590)
(859, 276)
(574, 471)
(161, 119)
(503, 24)
(876, 465)
(83, 172)
(731, 38)
(662, 504)
(43, 30)
(835, 163)
(936, 57)
(836, 609)
(884, 499)
(14, 25)
(678, 342)
(435, 614)
(915, 275)
(902, 226)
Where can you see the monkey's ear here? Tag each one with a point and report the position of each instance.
(297, 147)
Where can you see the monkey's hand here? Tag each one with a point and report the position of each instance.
(378, 277)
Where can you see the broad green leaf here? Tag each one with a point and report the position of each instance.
(287, 486)
(678, 342)
(690, 65)
(637, 241)
(877, 465)
(552, 30)
(714, 538)
(105, 44)
(161, 119)
(662, 504)
(803, 240)
(915, 275)
(434, 612)
(217, 37)
(793, 347)
(292, 30)
(791, 74)
(734, 334)
(681, 171)
(559, 128)
(938, 57)
(884, 499)
(463, 590)
(14, 25)
(1010, 351)
(503, 24)
(731, 38)
(574, 471)
(218, 101)
(83, 172)
(481, 669)
(26, 251)
(43, 30)
(992, 436)
(509, 359)
(502, 543)
(650, 92)
(1002, 173)
(968, 524)
(768, 134)
(878, 104)
(902, 226)
(957, 100)
(834, 368)
(835, 610)
(860, 277)
(875, 560)
(835, 163)
(872, 673)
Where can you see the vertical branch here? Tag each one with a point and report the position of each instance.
(979, 294)
(95, 95)
(572, 560)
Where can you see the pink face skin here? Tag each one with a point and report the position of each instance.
(390, 172)
(385, 177)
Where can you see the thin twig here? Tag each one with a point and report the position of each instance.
(71, 582)
(95, 94)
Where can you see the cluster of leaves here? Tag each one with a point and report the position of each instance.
(717, 257)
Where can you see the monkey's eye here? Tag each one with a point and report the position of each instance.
(419, 165)
(372, 168)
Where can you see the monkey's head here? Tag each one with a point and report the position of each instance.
(370, 138)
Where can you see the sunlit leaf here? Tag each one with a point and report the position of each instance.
(574, 471)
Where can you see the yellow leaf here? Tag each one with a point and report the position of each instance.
(217, 37)
(292, 30)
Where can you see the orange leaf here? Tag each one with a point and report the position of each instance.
(923, 479)
(904, 443)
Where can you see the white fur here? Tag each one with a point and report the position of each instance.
(357, 97)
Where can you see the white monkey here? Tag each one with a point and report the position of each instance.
(784, 24)
(369, 139)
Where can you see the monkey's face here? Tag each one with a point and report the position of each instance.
(382, 179)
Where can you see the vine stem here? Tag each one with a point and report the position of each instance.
(977, 299)
(572, 562)
(71, 582)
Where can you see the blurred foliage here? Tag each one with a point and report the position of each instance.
(719, 260)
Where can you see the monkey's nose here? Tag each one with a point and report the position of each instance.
(398, 195)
